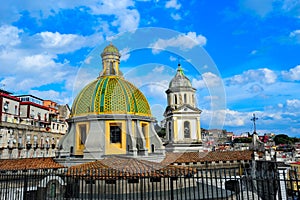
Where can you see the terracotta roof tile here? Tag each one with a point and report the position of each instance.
(124, 167)
(188, 157)
(29, 163)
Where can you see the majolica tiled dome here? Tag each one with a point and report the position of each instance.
(110, 93)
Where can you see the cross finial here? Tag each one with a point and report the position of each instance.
(254, 124)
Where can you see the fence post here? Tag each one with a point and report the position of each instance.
(171, 188)
(25, 186)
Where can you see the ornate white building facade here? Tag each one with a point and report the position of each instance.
(27, 128)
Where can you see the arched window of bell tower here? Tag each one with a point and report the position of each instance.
(185, 98)
(193, 99)
(170, 131)
(175, 98)
(187, 129)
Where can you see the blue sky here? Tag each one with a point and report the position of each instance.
(242, 56)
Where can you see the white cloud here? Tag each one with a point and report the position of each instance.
(295, 33)
(172, 58)
(209, 80)
(57, 40)
(293, 104)
(159, 69)
(125, 54)
(198, 83)
(173, 4)
(157, 89)
(58, 97)
(183, 41)
(221, 118)
(127, 18)
(88, 60)
(127, 21)
(211, 98)
(176, 16)
(36, 62)
(253, 52)
(258, 7)
(9, 35)
(57, 43)
(34, 71)
(293, 74)
(291, 6)
(256, 88)
(263, 75)
(280, 105)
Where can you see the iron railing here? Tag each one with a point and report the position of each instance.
(225, 183)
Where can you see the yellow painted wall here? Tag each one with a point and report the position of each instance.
(198, 130)
(146, 134)
(175, 128)
(133, 128)
(115, 148)
(78, 146)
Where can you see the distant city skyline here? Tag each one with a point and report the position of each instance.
(248, 52)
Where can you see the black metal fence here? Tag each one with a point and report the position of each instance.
(225, 183)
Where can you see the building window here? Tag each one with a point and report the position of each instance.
(185, 98)
(35, 142)
(175, 99)
(5, 107)
(16, 110)
(28, 139)
(82, 130)
(20, 141)
(42, 142)
(32, 114)
(115, 133)
(187, 132)
(170, 131)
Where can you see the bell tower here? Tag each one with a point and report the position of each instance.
(182, 116)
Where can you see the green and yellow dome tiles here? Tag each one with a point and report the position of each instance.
(110, 95)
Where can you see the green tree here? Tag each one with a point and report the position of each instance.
(282, 139)
(162, 133)
(242, 140)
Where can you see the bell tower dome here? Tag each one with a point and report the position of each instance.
(180, 90)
